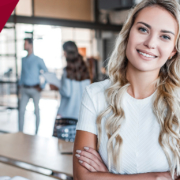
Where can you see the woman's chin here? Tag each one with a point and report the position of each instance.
(143, 68)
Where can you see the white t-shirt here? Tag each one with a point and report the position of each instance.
(141, 152)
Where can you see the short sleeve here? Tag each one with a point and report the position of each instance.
(87, 115)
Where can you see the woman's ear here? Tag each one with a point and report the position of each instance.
(173, 53)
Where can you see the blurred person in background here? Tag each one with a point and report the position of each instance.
(73, 82)
(29, 83)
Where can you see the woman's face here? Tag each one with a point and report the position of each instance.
(152, 39)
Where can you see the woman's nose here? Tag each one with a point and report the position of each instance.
(150, 42)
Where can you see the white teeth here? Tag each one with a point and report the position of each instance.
(146, 55)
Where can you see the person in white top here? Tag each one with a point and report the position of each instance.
(129, 125)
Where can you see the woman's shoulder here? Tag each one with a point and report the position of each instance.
(95, 95)
(98, 87)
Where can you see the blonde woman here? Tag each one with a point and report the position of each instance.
(129, 125)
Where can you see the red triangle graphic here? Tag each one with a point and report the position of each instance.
(6, 10)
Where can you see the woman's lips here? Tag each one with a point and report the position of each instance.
(146, 56)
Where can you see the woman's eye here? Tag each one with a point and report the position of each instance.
(166, 37)
(142, 30)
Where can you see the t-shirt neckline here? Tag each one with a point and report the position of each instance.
(145, 100)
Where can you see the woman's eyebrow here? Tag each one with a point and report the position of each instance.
(165, 31)
(147, 25)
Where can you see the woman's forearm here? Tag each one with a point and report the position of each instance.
(82, 171)
(110, 176)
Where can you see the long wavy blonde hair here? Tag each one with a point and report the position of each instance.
(167, 102)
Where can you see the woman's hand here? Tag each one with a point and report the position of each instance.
(91, 160)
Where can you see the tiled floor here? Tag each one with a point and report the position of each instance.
(48, 111)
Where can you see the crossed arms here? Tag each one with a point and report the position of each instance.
(88, 165)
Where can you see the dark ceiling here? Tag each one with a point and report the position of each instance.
(115, 4)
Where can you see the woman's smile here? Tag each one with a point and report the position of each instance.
(146, 55)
